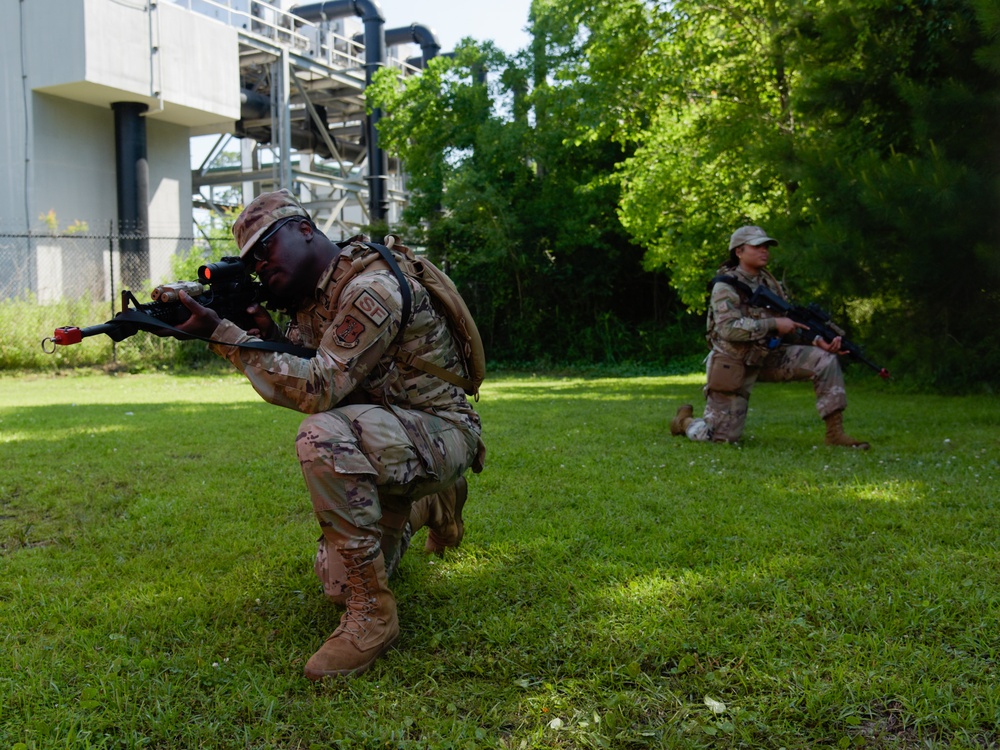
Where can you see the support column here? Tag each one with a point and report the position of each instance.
(132, 174)
(281, 117)
(378, 164)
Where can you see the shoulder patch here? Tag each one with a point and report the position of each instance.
(348, 332)
(371, 307)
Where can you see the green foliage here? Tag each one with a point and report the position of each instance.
(25, 323)
(909, 213)
(184, 265)
(520, 209)
(616, 587)
(859, 132)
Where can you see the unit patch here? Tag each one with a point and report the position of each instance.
(370, 306)
(348, 332)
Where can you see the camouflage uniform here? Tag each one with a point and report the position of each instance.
(380, 434)
(738, 335)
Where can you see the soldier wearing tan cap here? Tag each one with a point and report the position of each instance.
(751, 344)
(385, 447)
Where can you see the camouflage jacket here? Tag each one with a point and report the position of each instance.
(736, 329)
(354, 333)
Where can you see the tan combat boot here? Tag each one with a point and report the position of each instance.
(367, 629)
(835, 434)
(331, 572)
(442, 514)
(681, 420)
(330, 568)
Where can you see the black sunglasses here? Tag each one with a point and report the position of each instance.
(261, 250)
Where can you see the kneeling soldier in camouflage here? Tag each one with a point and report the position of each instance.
(386, 445)
(748, 346)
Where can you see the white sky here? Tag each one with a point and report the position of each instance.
(502, 21)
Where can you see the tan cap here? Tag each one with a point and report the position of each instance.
(750, 235)
(262, 212)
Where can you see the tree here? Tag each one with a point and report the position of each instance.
(511, 192)
(862, 133)
(717, 150)
(901, 179)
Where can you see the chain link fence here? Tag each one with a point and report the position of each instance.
(55, 280)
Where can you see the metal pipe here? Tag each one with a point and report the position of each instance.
(132, 174)
(254, 105)
(374, 23)
(428, 41)
(417, 33)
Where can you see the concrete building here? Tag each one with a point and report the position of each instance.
(103, 97)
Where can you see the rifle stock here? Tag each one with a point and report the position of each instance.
(816, 320)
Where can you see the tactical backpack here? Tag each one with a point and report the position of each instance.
(443, 291)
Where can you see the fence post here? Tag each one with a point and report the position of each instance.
(111, 276)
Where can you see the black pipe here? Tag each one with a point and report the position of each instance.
(325, 11)
(132, 175)
(254, 105)
(378, 163)
(417, 33)
(374, 22)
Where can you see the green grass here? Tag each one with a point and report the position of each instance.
(616, 588)
(24, 324)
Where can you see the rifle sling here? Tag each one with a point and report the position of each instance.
(149, 323)
(739, 286)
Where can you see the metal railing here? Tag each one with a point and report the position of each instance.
(266, 23)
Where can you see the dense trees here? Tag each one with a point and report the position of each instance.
(567, 185)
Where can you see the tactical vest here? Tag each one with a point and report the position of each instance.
(448, 300)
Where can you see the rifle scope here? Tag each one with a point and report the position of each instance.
(227, 269)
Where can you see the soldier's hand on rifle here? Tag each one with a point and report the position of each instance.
(263, 327)
(203, 320)
(787, 325)
(829, 346)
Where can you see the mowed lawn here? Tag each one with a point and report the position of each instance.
(617, 587)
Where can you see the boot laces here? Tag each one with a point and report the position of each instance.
(360, 603)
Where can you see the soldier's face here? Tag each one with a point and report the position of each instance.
(279, 264)
(754, 257)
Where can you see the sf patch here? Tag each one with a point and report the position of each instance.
(371, 307)
(349, 331)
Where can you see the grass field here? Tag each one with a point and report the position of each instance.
(617, 588)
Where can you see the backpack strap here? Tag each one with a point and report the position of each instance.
(420, 363)
(404, 287)
(744, 290)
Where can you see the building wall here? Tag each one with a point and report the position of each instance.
(15, 95)
(62, 64)
(73, 163)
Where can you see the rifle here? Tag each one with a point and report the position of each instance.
(818, 322)
(224, 286)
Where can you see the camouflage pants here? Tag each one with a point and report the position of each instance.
(726, 412)
(364, 465)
